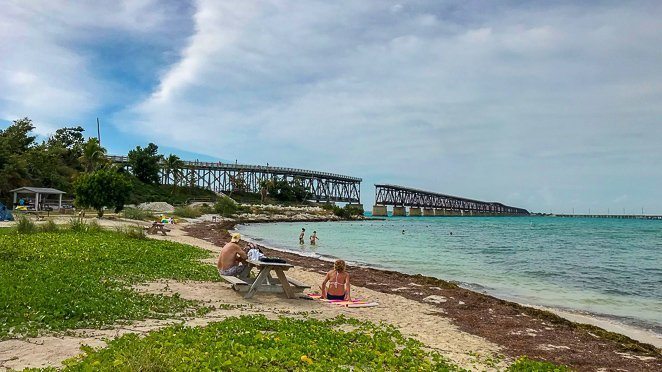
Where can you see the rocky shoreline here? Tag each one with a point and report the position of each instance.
(519, 330)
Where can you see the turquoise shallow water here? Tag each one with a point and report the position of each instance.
(606, 267)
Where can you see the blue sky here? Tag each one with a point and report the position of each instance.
(542, 105)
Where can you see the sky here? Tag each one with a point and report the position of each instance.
(545, 105)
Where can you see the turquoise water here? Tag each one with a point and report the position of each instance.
(606, 267)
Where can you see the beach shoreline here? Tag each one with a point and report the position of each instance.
(522, 330)
(610, 324)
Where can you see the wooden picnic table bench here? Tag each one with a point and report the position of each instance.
(157, 227)
(265, 282)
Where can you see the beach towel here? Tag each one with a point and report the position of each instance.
(355, 302)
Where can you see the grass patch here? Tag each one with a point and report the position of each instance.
(133, 232)
(256, 343)
(138, 214)
(25, 226)
(74, 279)
(143, 192)
(187, 212)
(49, 226)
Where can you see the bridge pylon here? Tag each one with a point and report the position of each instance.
(399, 211)
(379, 210)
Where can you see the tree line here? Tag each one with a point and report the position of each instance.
(77, 165)
(69, 162)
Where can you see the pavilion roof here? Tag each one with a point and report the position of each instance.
(37, 190)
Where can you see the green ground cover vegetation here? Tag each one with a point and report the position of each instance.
(256, 343)
(142, 192)
(80, 276)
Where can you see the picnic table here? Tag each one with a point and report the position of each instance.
(157, 227)
(265, 282)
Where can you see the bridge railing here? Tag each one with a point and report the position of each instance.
(405, 196)
(247, 167)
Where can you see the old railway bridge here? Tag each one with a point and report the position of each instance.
(425, 203)
(224, 177)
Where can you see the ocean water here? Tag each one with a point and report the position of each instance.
(607, 267)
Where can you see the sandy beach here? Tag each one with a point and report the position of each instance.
(517, 329)
(475, 331)
(467, 350)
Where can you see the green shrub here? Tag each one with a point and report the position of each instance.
(79, 225)
(137, 214)
(284, 190)
(244, 209)
(226, 207)
(187, 212)
(134, 232)
(105, 188)
(524, 364)
(255, 343)
(173, 195)
(93, 226)
(328, 206)
(25, 226)
(49, 226)
(206, 209)
(348, 212)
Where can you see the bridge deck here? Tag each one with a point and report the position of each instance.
(228, 177)
(406, 196)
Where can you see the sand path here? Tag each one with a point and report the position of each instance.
(412, 318)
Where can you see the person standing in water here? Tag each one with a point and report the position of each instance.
(314, 238)
(302, 235)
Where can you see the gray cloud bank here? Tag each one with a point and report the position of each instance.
(544, 105)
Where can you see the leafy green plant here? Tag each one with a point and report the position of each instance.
(257, 343)
(187, 212)
(137, 214)
(105, 188)
(142, 192)
(283, 190)
(347, 212)
(226, 207)
(49, 226)
(145, 163)
(524, 364)
(206, 208)
(134, 232)
(72, 279)
(77, 224)
(25, 226)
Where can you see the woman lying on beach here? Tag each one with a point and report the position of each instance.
(338, 280)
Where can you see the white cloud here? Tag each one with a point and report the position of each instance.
(46, 71)
(488, 100)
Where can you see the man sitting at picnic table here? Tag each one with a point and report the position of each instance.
(231, 258)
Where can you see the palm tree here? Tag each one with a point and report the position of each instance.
(93, 155)
(173, 165)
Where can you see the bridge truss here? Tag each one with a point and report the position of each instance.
(223, 177)
(404, 196)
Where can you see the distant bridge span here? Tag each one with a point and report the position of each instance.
(224, 177)
(428, 203)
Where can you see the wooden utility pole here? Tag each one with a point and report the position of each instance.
(98, 132)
